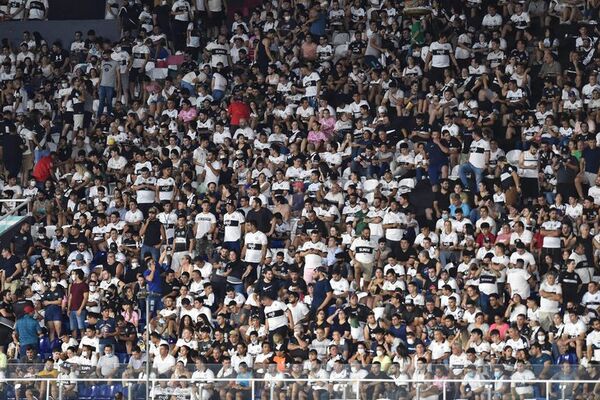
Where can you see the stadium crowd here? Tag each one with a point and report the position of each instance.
(305, 190)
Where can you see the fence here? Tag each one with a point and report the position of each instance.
(273, 382)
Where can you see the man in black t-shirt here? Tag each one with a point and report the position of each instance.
(374, 387)
(126, 335)
(22, 243)
(8, 266)
(183, 241)
(154, 234)
(570, 283)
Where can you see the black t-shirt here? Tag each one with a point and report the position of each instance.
(360, 311)
(127, 330)
(22, 242)
(569, 281)
(9, 266)
(443, 200)
(299, 285)
(53, 295)
(237, 269)
(182, 238)
(262, 218)
(404, 255)
(73, 241)
(58, 58)
(174, 285)
(19, 307)
(152, 234)
(268, 288)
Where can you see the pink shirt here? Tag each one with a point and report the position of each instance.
(316, 136)
(187, 116)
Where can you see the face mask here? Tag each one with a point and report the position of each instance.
(410, 341)
(445, 217)
(379, 353)
(541, 339)
(92, 288)
(497, 374)
(361, 350)
(53, 284)
(65, 85)
(134, 265)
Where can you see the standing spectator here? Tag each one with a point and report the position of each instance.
(27, 330)
(78, 296)
(110, 83)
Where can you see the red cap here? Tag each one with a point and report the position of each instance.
(28, 309)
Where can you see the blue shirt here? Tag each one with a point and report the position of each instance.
(27, 328)
(156, 284)
(320, 291)
(107, 326)
(592, 159)
(317, 28)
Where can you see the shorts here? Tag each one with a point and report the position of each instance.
(27, 162)
(136, 75)
(588, 177)
(436, 74)
(53, 313)
(366, 270)
(435, 171)
(252, 276)
(216, 19)
(77, 321)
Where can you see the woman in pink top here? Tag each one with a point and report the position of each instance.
(316, 135)
(130, 314)
(187, 113)
(327, 122)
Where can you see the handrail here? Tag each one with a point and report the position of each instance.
(24, 203)
(268, 380)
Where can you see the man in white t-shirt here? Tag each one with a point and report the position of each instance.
(550, 299)
(313, 252)
(551, 231)
(518, 278)
(479, 156)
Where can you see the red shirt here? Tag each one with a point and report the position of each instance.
(43, 169)
(238, 110)
(77, 291)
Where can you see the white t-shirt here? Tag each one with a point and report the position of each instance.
(547, 305)
(204, 222)
(394, 234)
(478, 150)
(518, 278)
(145, 196)
(233, 226)
(312, 261)
(255, 242)
(275, 315)
(364, 250)
(440, 54)
(309, 83)
(549, 241)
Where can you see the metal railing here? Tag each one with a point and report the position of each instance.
(22, 203)
(271, 383)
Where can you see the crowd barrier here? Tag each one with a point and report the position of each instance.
(275, 383)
